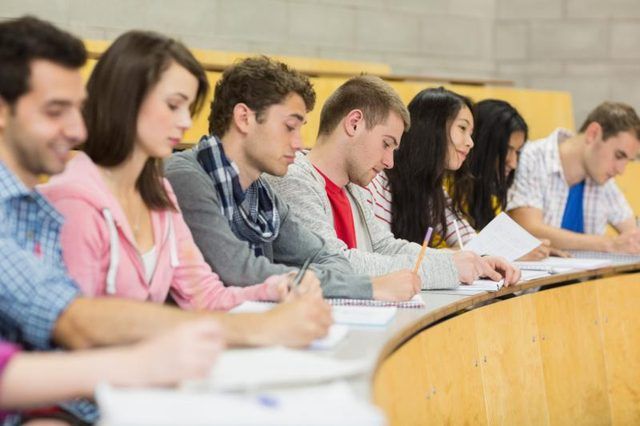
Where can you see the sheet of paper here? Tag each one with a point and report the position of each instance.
(503, 237)
(373, 316)
(332, 404)
(266, 368)
(478, 286)
(337, 333)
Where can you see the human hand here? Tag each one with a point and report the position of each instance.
(186, 352)
(396, 286)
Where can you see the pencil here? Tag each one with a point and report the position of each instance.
(425, 243)
(455, 226)
(300, 274)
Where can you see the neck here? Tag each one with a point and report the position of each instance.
(571, 154)
(233, 145)
(122, 178)
(328, 155)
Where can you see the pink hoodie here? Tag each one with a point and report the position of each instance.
(99, 251)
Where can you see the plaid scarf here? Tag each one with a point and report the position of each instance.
(251, 213)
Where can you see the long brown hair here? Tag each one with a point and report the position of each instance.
(121, 80)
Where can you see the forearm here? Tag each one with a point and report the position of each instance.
(109, 321)
(568, 240)
(33, 379)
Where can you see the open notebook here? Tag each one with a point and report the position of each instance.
(615, 258)
(343, 315)
(276, 367)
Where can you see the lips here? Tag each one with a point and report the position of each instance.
(174, 141)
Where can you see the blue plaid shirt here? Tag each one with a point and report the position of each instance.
(34, 286)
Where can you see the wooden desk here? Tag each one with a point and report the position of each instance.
(568, 354)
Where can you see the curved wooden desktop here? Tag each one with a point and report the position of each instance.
(567, 354)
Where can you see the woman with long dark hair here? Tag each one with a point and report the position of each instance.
(499, 135)
(430, 153)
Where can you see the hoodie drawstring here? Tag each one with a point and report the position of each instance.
(173, 245)
(114, 255)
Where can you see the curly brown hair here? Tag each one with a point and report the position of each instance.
(257, 82)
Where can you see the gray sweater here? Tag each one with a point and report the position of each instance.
(303, 188)
(233, 260)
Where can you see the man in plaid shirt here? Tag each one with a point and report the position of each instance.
(563, 188)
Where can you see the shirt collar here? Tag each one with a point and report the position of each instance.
(10, 185)
(558, 136)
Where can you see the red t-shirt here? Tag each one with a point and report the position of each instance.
(342, 213)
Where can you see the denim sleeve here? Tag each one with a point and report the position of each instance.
(33, 295)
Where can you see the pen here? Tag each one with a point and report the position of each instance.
(455, 226)
(425, 243)
(300, 274)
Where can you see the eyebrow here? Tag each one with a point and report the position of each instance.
(464, 119)
(622, 153)
(299, 117)
(393, 139)
(58, 103)
(182, 95)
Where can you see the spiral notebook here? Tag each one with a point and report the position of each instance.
(415, 302)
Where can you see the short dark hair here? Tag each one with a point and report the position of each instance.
(127, 71)
(258, 82)
(613, 117)
(26, 39)
(371, 94)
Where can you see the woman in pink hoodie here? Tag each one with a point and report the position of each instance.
(124, 234)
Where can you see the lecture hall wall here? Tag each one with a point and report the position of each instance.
(588, 47)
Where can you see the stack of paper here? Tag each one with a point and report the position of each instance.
(332, 404)
(503, 237)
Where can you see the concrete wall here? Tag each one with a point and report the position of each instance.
(588, 47)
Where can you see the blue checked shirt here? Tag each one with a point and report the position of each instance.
(34, 286)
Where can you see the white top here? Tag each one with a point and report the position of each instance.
(149, 260)
(540, 183)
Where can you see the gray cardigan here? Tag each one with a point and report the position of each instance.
(233, 260)
(303, 188)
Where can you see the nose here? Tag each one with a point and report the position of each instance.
(296, 141)
(470, 141)
(74, 129)
(387, 160)
(185, 121)
(512, 160)
(620, 166)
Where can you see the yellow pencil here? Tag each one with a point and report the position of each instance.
(425, 243)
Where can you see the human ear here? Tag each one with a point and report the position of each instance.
(241, 117)
(352, 121)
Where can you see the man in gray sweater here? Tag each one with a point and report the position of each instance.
(244, 230)
(361, 125)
